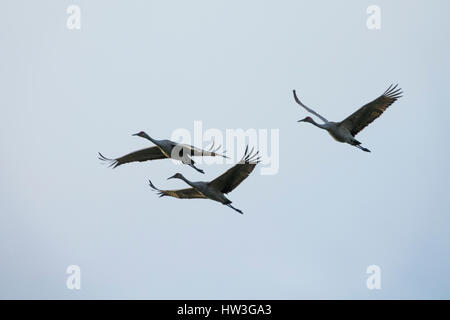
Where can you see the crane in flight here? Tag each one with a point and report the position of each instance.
(163, 149)
(346, 130)
(217, 188)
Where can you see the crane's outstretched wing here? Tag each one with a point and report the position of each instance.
(189, 193)
(235, 175)
(197, 152)
(308, 109)
(368, 113)
(152, 153)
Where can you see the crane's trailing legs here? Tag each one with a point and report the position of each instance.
(362, 148)
(191, 163)
(229, 205)
(357, 144)
(199, 170)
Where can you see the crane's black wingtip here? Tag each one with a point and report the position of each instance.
(297, 100)
(151, 185)
(158, 192)
(112, 162)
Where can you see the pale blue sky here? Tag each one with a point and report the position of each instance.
(308, 232)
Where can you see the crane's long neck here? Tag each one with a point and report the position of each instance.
(146, 136)
(321, 126)
(187, 181)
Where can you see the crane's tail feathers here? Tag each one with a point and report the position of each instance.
(229, 205)
(112, 162)
(158, 192)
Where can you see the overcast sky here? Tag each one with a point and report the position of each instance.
(309, 231)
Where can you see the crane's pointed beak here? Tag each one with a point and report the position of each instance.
(171, 177)
(134, 134)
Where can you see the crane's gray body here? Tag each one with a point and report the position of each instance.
(338, 132)
(166, 146)
(208, 191)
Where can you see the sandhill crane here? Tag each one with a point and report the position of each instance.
(164, 149)
(216, 188)
(346, 130)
